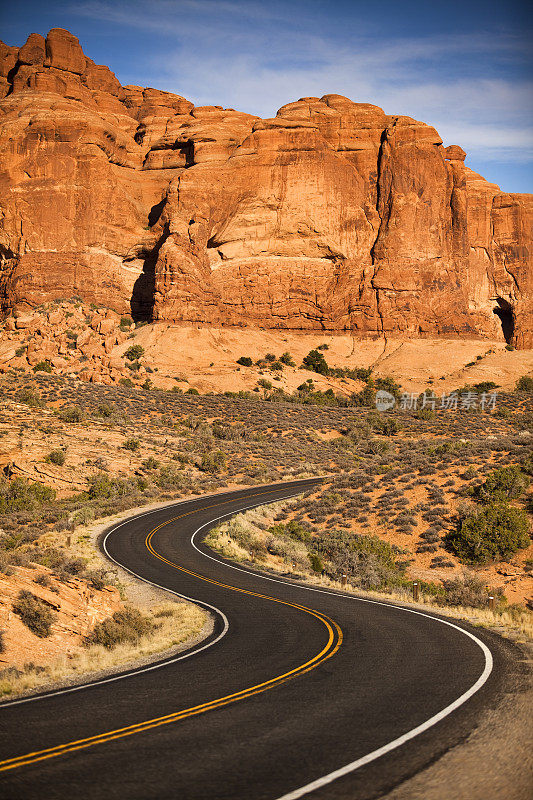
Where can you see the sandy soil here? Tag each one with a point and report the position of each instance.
(205, 358)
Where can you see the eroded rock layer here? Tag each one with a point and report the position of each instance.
(332, 215)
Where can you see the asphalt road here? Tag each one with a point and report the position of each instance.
(293, 685)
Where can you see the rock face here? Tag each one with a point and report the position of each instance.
(333, 215)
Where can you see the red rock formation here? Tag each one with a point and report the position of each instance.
(333, 215)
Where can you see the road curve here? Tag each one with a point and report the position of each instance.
(297, 692)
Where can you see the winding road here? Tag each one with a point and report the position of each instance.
(298, 692)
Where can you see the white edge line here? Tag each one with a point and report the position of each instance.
(134, 672)
(424, 726)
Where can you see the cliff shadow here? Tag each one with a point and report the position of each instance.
(504, 311)
(143, 295)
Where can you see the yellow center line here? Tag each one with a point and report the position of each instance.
(333, 644)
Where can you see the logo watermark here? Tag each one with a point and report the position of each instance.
(455, 401)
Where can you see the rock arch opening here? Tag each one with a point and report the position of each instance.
(504, 311)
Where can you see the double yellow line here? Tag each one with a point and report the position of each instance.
(333, 644)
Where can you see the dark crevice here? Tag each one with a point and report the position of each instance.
(143, 295)
(156, 211)
(504, 311)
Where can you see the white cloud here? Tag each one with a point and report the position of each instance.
(256, 57)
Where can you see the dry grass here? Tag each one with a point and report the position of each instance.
(514, 622)
(175, 623)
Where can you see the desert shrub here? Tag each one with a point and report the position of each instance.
(287, 359)
(525, 384)
(389, 385)
(504, 483)
(56, 457)
(316, 362)
(43, 366)
(169, 477)
(494, 533)
(316, 562)
(83, 516)
(101, 486)
(214, 461)
(125, 323)
(386, 426)
(424, 413)
(192, 390)
(23, 495)
(150, 463)
(29, 397)
(134, 352)
(292, 529)
(126, 382)
(245, 361)
(466, 590)
(127, 625)
(366, 397)
(71, 414)
(43, 579)
(368, 561)
(34, 614)
(485, 386)
(131, 444)
(264, 383)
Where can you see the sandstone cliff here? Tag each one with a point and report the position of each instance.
(332, 215)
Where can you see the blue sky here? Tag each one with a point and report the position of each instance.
(464, 67)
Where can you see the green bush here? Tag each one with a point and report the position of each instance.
(192, 390)
(368, 561)
(127, 625)
(316, 362)
(214, 462)
(389, 385)
(20, 351)
(131, 444)
(43, 366)
(29, 397)
(287, 359)
(125, 323)
(104, 410)
(22, 495)
(386, 426)
(494, 533)
(316, 562)
(169, 477)
(56, 457)
(34, 614)
(134, 352)
(485, 386)
(504, 483)
(71, 414)
(126, 382)
(264, 383)
(150, 463)
(101, 486)
(525, 384)
(245, 361)
(293, 529)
